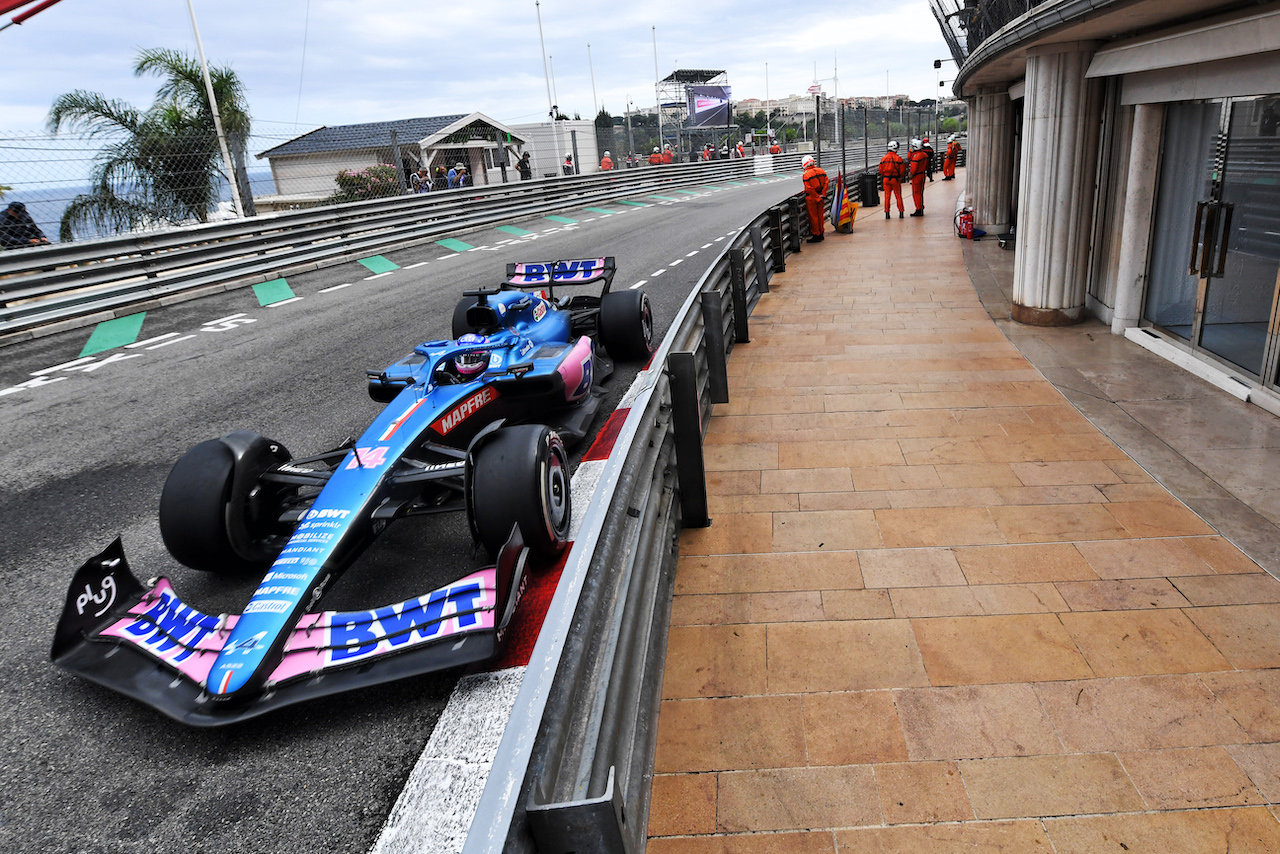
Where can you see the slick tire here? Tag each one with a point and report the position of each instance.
(520, 475)
(626, 325)
(214, 521)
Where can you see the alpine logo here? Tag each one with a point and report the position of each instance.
(464, 410)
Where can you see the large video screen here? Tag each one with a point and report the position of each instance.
(708, 105)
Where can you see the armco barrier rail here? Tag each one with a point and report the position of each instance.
(573, 771)
(97, 279)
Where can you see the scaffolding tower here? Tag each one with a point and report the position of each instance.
(673, 96)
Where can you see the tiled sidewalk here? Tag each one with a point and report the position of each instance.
(938, 610)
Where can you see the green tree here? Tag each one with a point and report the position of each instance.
(603, 119)
(158, 165)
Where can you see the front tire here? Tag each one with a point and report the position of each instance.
(520, 475)
(626, 325)
(215, 516)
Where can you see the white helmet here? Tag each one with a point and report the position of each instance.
(951, 138)
(568, 155)
(915, 144)
(606, 154)
(808, 161)
(655, 149)
(893, 145)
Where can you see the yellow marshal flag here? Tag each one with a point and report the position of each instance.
(843, 209)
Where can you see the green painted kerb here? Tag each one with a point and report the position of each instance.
(605, 211)
(664, 198)
(377, 264)
(110, 334)
(453, 245)
(632, 204)
(276, 290)
(689, 192)
(563, 219)
(511, 229)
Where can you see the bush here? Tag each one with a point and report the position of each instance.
(372, 182)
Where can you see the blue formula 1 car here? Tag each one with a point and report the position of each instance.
(475, 424)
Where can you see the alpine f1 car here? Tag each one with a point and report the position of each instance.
(476, 424)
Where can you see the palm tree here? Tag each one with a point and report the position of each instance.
(161, 165)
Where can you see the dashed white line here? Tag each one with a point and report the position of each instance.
(590, 219)
(705, 246)
(283, 302)
(657, 273)
(334, 288)
(415, 266)
(675, 262)
(477, 248)
(173, 341)
(223, 319)
(718, 239)
(137, 344)
(691, 254)
(447, 257)
(374, 276)
(637, 284)
(63, 366)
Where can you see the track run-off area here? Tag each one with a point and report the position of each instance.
(94, 418)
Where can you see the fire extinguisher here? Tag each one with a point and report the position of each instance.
(964, 224)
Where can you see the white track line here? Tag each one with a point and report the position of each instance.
(284, 302)
(171, 341)
(415, 266)
(378, 276)
(657, 273)
(334, 288)
(150, 341)
(675, 262)
(637, 284)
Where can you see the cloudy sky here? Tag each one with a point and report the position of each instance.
(311, 62)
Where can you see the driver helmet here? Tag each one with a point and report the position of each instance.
(471, 364)
(893, 145)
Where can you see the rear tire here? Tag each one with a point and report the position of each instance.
(626, 325)
(521, 476)
(210, 521)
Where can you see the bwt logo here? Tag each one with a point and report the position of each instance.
(465, 410)
(324, 514)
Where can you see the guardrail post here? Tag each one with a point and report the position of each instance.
(775, 233)
(738, 283)
(762, 269)
(713, 333)
(594, 824)
(686, 419)
(797, 236)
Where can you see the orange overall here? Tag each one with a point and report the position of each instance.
(949, 164)
(892, 168)
(815, 193)
(605, 164)
(919, 161)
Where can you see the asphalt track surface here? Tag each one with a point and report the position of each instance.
(83, 460)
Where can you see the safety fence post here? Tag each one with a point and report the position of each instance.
(738, 282)
(797, 230)
(592, 824)
(775, 236)
(713, 332)
(762, 269)
(686, 419)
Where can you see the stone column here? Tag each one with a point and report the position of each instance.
(1060, 129)
(1139, 205)
(989, 179)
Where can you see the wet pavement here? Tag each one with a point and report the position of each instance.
(970, 585)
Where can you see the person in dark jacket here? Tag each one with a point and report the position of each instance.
(18, 230)
(524, 167)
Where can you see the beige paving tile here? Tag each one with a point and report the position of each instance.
(1033, 786)
(767, 573)
(746, 843)
(1018, 598)
(909, 568)
(843, 501)
(910, 498)
(1193, 778)
(871, 654)
(714, 661)
(918, 792)
(856, 605)
(1126, 468)
(852, 728)
(711, 610)
(806, 480)
(1135, 492)
(1143, 713)
(895, 477)
(976, 650)
(1251, 589)
(739, 533)
(867, 452)
(1121, 595)
(1157, 519)
(1242, 830)
(682, 804)
(733, 732)
(740, 457)
(1013, 564)
(1261, 762)
(831, 530)
(1248, 635)
(1142, 643)
(935, 602)
(1221, 555)
(721, 505)
(798, 798)
(974, 721)
(944, 526)
(974, 475)
(800, 606)
(1036, 495)
(733, 482)
(1253, 699)
(1047, 523)
(1141, 558)
(1077, 472)
(941, 451)
(988, 837)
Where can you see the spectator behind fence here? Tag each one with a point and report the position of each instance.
(464, 177)
(524, 167)
(453, 175)
(441, 179)
(420, 181)
(18, 229)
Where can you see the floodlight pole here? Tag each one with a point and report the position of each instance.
(656, 80)
(594, 103)
(551, 105)
(217, 120)
(768, 112)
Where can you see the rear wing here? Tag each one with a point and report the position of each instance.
(538, 274)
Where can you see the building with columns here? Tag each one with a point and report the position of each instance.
(1132, 148)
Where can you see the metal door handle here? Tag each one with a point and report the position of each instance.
(1227, 209)
(1192, 268)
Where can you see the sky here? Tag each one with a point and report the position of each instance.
(307, 63)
